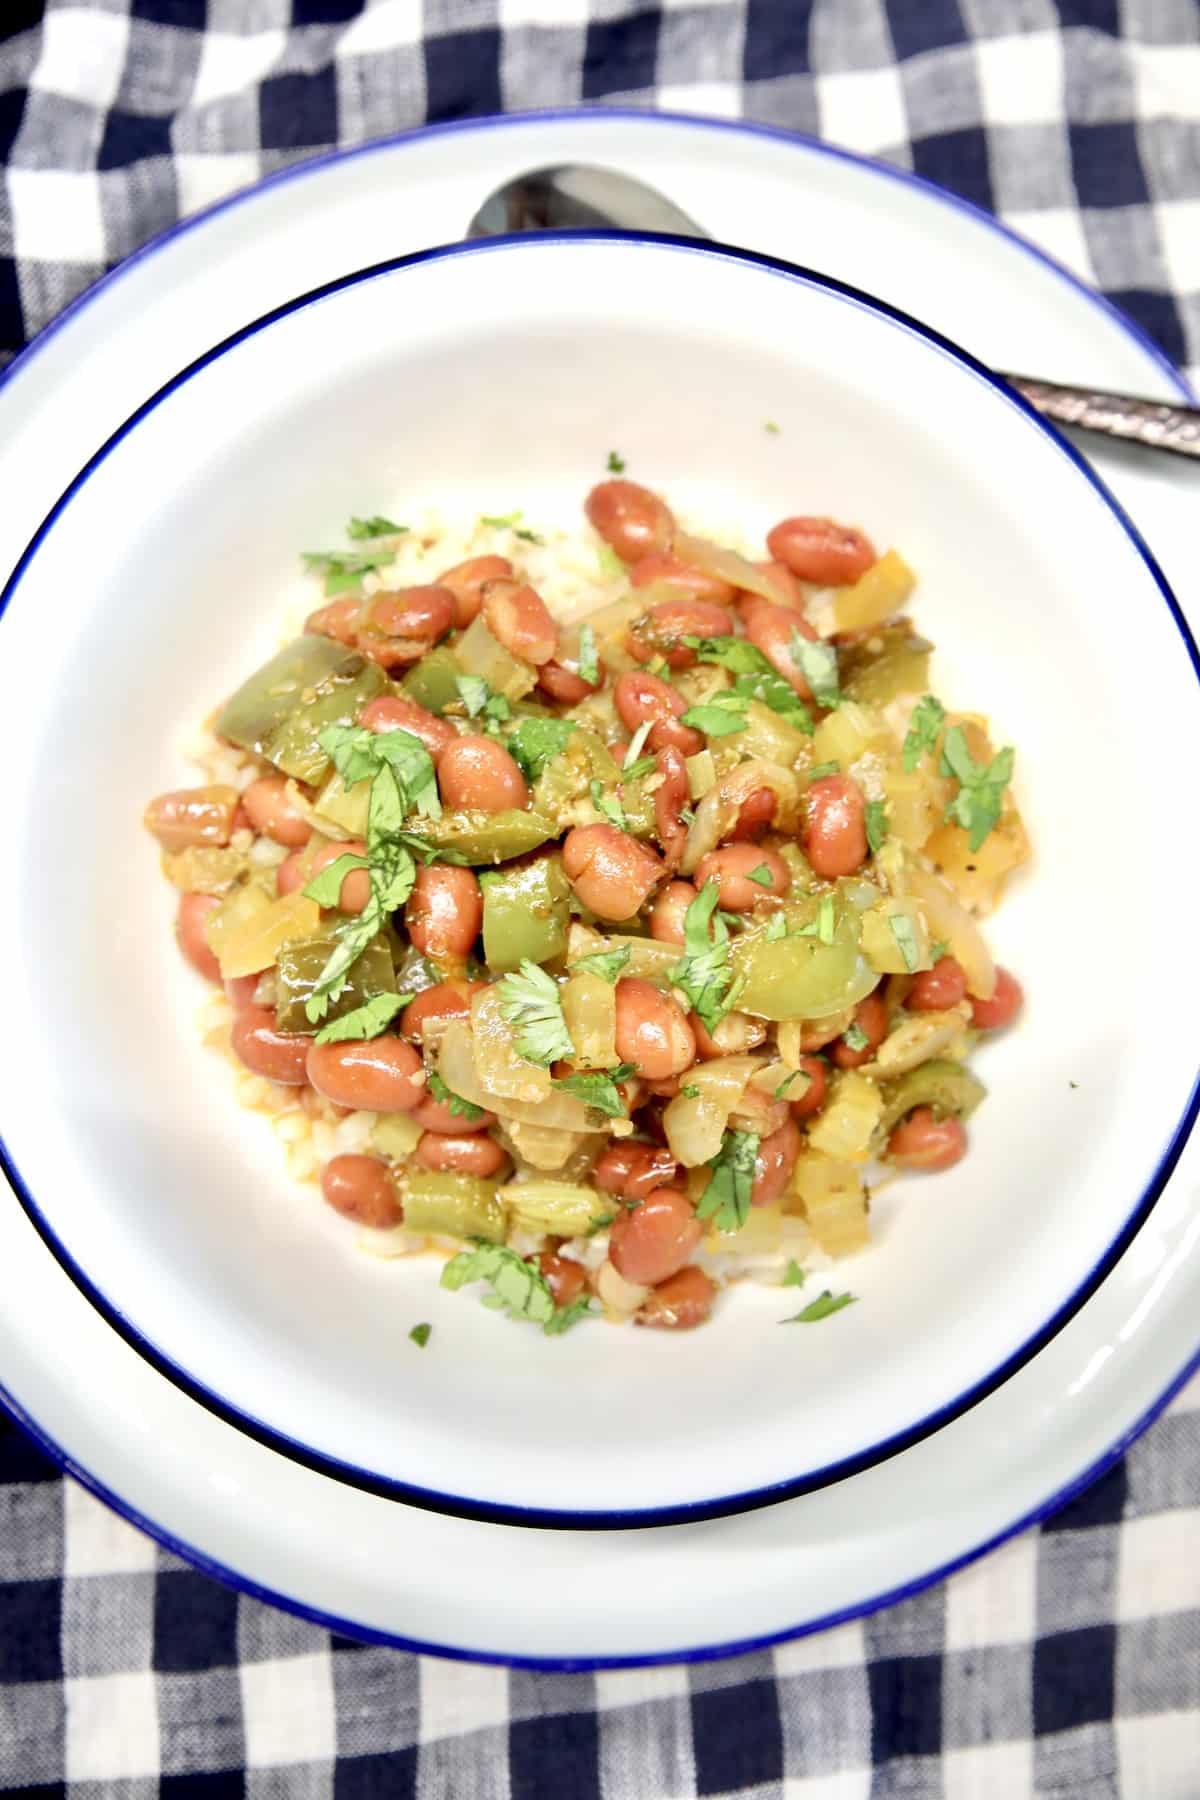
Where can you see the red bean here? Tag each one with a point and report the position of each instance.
(732, 867)
(1002, 1008)
(654, 1168)
(654, 1240)
(383, 1074)
(518, 617)
(834, 836)
(805, 1104)
(468, 1153)
(923, 1141)
(338, 620)
(565, 1278)
(361, 1188)
(355, 890)
(680, 1303)
(773, 629)
(871, 1017)
(652, 1030)
(670, 798)
(736, 1034)
(615, 1166)
(786, 586)
(399, 625)
(443, 913)
(774, 1164)
(466, 581)
(821, 550)
(565, 685)
(667, 913)
(190, 818)
(673, 579)
(661, 629)
(279, 1055)
(194, 911)
(240, 991)
(447, 1000)
(316, 1106)
(388, 712)
(477, 774)
(611, 873)
(639, 697)
(439, 1116)
(274, 813)
(937, 989)
(631, 520)
(756, 813)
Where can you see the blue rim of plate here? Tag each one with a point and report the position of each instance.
(497, 1512)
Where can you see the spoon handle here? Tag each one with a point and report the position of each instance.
(1162, 425)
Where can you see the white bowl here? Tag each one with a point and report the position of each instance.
(499, 375)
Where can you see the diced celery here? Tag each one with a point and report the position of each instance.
(846, 1124)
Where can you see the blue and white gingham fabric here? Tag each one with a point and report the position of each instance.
(1067, 1664)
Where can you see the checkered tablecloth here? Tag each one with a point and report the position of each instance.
(1067, 1663)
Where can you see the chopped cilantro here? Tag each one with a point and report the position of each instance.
(598, 1088)
(906, 940)
(772, 427)
(785, 1084)
(373, 527)
(980, 797)
(645, 765)
(721, 716)
(588, 662)
(726, 1199)
(473, 691)
(607, 804)
(326, 887)
(754, 678)
(818, 771)
(420, 1335)
(691, 1092)
(519, 1289)
(502, 521)
(761, 876)
(610, 563)
(923, 727)
(530, 1000)
(938, 950)
(794, 1275)
(776, 928)
(528, 537)
(855, 1038)
(820, 1308)
(566, 1316)
(615, 464)
(366, 1021)
(535, 742)
(822, 927)
(605, 963)
(876, 822)
(818, 664)
(462, 1109)
(705, 975)
(344, 569)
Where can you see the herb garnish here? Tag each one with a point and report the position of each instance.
(924, 725)
(373, 527)
(462, 1109)
(366, 1021)
(719, 716)
(818, 664)
(794, 1275)
(726, 1199)
(588, 662)
(605, 963)
(344, 569)
(519, 1289)
(535, 742)
(420, 1335)
(980, 797)
(705, 974)
(820, 1308)
(761, 876)
(615, 464)
(530, 1000)
(606, 804)
(598, 1088)
(876, 823)
(855, 1038)
(906, 940)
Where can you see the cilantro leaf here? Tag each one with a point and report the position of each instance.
(350, 940)
(502, 521)
(565, 1316)
(938, 950)
(906, 940)
(772, 427)
(818, 771)
(605, 963)
(606, 803)
(598, 1088)
(776, 928)
(924, 725)
(413, 768)
(374, 526)
(366, 1021)
(344, 569)
(785, 1084)
(420, 1335)
(755, 678)
(704, 974)
(462, 1109)
(610, 563)
(721, 716)
(518, 1287)
(817, 662)
(726, 1199)
(876, 822)
(822, 927)
(535, 742)
(588, 663)
(855, 1038)
(980, 798)
(690, 1091)
(794, 1275)
(635, 743)
(736, 654)
(820, 1308)
(645, 765)
(528, 537)
(761, 876)
(326, 887)
(615, 464)
(473, 691)
(530, 1000)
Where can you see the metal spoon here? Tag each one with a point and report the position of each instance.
(576, 197)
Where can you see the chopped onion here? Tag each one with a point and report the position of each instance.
(724, 565)
(617, 1294)
(502, 1072)
(695, 1124)
(459, 1070)
(950, 921)
(717, 812)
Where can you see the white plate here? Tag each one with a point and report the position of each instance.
(387, 1569)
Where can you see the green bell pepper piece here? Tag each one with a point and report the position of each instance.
(480, 837)
(526, 911)
(899, 664)
(944, 1085)
(280, 712)
(432, 682)
(800, 977)
(449, 1205)
(299, 967)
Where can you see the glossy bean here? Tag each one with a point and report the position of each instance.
(355, 890)
(399, 625)
(443, 913)
(733, 867)
(466, 582)
(923, 1141)
(615, 1165)
(188, 818)
(274, 812)
(673, 579)
(194, 912)
(631, 520)
(338, 620)
(774, 1164)
(754, 816)
(1002, 1008)
(518, 617)
(871, 1017)
(772, 629)
(937, 989)
(563, 684)
(653, 1241)
(735, 1035)
(279, 1055)
(662, 628)
(440, 1117)
(388, 712)
(805, 1099)
(640, 697)
(240, 991)
(361, 1188)
(667, 913)
(821, 550)
(611, 872)
(447, 1000)
(477, 774)
(652, 1030)
(670, 798)
(383, 1074)
(783, 581)
(565, 1278)
(834, 835)
(681, 1303)
(464, 1154)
